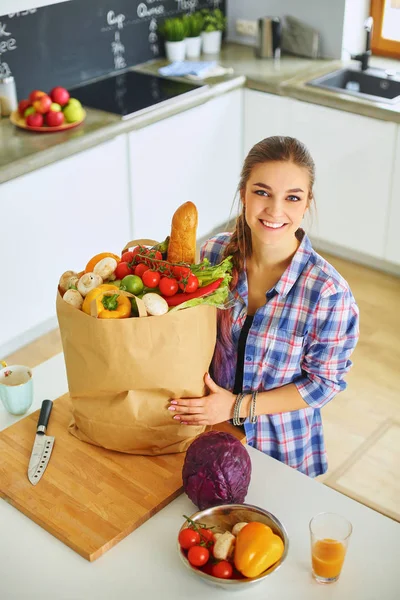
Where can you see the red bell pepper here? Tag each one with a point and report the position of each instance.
(199, 293)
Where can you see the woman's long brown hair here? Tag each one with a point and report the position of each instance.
(271, 149)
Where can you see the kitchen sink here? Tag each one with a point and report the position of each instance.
(374, 84)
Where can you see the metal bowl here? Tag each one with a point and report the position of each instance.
(223, 518)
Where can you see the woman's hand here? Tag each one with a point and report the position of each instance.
(209, 410)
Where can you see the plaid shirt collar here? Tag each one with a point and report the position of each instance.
(290, 276)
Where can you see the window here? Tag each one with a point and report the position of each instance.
(386, 32)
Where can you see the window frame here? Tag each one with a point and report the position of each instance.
(380, 45)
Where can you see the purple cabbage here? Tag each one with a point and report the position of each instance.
(217, 470)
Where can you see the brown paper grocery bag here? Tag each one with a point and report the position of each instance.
(122, 373)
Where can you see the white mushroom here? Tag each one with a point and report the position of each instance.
(224, 546)
(155, 304)
(238, 527)
(73, 298)
(67, 280)
(105, 267)
(88, 282)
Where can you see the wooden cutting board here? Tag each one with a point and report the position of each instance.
(89, 498)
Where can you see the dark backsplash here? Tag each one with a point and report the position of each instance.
(76, 41)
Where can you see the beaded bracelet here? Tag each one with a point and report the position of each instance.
(253, 416)
(236, 410)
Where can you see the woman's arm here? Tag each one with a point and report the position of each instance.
(283, 399)
(326, 362)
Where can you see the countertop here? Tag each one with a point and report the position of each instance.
(35, 565)
(22, 152)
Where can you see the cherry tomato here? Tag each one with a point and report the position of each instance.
(198, 556)
(127, 257)
(151, 279)
(140, 269)
(222, 569)
(207, 568)
(122, 270)
(206, 535)
(189, 284)
(188, 538)
(168, 286)
(179, 272)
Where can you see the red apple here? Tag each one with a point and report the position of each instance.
(42, 105)
(54, 119)
(35, 120)
(59, 95)
(22, 106)
(35, 95)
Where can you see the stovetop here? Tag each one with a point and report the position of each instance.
(131, 93)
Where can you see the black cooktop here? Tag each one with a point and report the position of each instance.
(130, 93)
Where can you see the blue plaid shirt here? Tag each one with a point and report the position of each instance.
(304, 334)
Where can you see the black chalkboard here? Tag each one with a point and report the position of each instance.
(79, 40)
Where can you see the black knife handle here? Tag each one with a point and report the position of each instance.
(44, 416)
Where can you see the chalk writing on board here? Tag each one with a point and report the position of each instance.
(22, 13)
(113, 19)
(118, 50)
(153, 37)
(7, 44)
(144, 11)
(189, 5)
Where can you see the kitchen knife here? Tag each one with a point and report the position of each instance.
(43, 445)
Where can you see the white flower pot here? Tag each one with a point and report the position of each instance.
(175, 51)
(193, 47)
(211, 41)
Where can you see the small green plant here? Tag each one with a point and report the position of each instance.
(193, 24)
(213, 20)
(173, 30)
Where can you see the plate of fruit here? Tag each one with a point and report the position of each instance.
(48, 113)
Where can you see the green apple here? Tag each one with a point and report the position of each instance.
(55, 107)
(74, 102)
(29, 111)
(73, 113)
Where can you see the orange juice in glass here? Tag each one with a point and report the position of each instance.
(330, 535)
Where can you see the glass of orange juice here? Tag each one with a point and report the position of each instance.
(330, 534)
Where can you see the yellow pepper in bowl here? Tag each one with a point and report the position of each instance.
(257, 548)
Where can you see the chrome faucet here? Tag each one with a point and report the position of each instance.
(363, 57)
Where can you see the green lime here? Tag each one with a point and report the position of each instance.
(116, 282)
(132, 284)
(74, 102)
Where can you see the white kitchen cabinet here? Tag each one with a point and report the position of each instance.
(195, 155)
(265, 115)
(354, 160)
(53, 220)
(392, 250)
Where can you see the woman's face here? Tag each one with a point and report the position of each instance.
(276, 198)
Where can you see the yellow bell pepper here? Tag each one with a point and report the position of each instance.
(115, 306)
(257, 548)
(94, 294)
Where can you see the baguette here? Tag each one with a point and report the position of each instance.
(182, 243)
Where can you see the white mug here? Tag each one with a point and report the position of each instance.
(16, 388)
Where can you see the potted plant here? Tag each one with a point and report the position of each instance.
(214, 23)
(193, 28)
(174, 32)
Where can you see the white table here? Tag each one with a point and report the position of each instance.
(36, 565)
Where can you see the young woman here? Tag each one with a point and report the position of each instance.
(294, 322)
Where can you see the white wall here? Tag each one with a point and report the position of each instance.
(12, 6)
(327, 16)
(356, 11)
